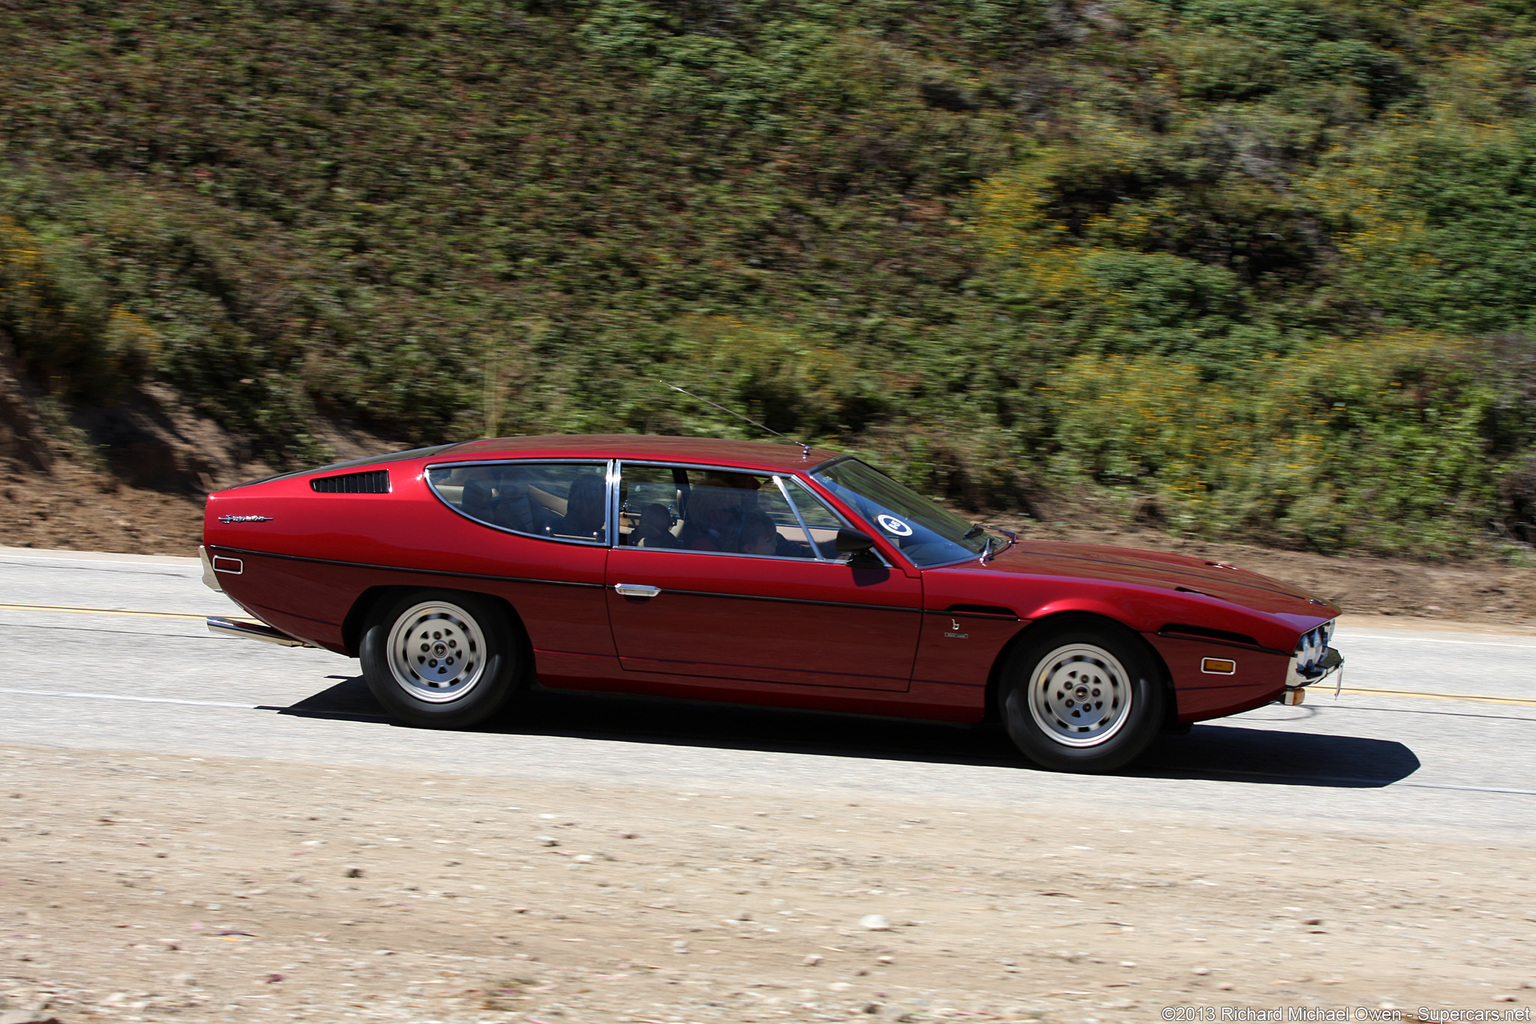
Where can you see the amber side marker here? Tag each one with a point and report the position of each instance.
(1218, 666)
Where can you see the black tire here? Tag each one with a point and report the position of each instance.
(442, 659)
(1086, 698)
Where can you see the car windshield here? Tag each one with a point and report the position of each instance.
(926, 533)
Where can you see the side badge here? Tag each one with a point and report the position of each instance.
(244, 519)
(954, 631)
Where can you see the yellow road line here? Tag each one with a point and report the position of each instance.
(97, 611)
(1526, 701)
(1418, 695)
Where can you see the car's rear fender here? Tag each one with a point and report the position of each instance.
(1074, 619)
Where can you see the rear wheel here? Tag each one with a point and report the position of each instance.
(441, 659)
(1083, 699)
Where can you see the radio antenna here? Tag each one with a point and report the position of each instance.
(717, 405)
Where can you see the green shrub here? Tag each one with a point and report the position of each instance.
(1375, 445)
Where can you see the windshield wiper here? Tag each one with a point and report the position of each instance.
(987, 554)
(986, 547)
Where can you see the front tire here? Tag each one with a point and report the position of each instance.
(1083, 699)
(440, 659)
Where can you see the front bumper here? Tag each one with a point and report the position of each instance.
(1313, 662)
(1331, 663)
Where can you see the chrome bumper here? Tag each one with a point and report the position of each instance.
(1331, 663)
(209, 579)
(251, 629)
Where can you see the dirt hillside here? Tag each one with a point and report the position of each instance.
(132, 480)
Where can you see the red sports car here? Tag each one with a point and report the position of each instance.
(748, 572)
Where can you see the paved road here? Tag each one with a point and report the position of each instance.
(1433, 732)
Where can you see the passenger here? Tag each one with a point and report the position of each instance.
(714, 516)
(585, 509)
(499, 495)
(512, 507)
(758, 534)
(654, 528)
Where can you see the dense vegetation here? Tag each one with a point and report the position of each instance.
(1257, 267)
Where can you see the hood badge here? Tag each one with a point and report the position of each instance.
(245, 519)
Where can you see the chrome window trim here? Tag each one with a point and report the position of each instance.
(847, 520)
(621, 464)
(815, 552)
(822, 491)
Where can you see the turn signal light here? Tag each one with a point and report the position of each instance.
(1218, 666)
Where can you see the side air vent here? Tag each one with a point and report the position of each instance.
(1204, 633)
(373, 482)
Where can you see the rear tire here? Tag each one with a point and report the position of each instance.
(1082, 699)
(441, 659)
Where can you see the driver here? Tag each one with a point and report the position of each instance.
(714, 518)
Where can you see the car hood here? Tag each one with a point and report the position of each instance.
(1158, 569)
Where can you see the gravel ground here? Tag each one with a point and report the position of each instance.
(142, 888)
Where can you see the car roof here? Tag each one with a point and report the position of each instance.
(759, 455)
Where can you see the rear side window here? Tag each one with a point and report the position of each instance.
(559, 500)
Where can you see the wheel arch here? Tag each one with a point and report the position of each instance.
(1070, 619)
(363, 608)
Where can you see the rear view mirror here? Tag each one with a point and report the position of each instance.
(853, 541)
(859, 547)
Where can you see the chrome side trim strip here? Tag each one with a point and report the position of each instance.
(420, 572)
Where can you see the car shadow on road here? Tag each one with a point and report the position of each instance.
(1221, 752)
(1287, 757)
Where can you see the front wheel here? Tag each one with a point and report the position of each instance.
(441, 659)
(1083, 699)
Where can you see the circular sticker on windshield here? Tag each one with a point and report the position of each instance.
(893, 525)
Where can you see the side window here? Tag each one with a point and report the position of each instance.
(772, 526)
(563, 500)
(819, 519)
(649, 499)
(708, 510)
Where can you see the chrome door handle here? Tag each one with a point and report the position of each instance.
(636, 590)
